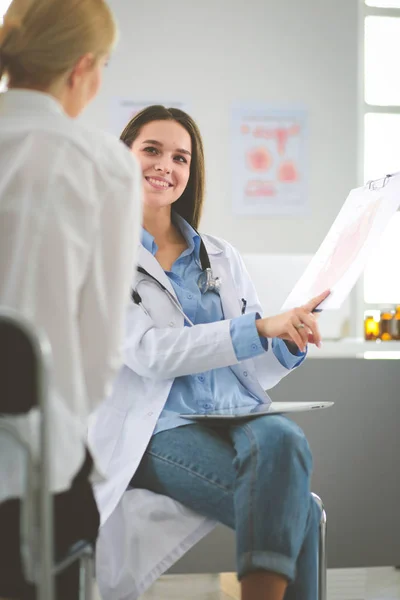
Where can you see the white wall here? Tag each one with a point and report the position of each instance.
(212, 53)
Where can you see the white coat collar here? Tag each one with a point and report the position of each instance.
(29, 101)
(148, 262)
(221, 269)
(211, 247)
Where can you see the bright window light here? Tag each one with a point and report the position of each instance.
(382, 49)
(381, 280)
(4, 4)
(382, 145)
(383, 3)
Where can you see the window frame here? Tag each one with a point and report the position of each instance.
(358, 304)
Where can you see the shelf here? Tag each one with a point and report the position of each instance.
(356, 348)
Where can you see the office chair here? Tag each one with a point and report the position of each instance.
(25, 368)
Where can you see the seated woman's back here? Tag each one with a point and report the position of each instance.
(69, 208)
(64, 203)
(69, 222)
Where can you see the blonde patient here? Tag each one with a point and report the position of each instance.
(69, 220)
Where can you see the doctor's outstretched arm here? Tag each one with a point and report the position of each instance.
(169, 352)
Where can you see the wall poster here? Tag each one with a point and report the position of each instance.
(269, 161)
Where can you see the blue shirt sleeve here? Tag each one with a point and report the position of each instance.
(245, 339)
(248, 344)
(284, 355)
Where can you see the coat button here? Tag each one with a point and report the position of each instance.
(149, 414)
(245, 373)
(171, 324)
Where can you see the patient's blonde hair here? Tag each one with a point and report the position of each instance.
(41, 40)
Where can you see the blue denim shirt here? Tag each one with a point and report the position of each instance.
(218, 388)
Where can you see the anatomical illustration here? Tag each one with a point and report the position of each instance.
(347, 247)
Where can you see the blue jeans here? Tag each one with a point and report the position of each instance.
(253, 477)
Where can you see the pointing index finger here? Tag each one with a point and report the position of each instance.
(312, 305)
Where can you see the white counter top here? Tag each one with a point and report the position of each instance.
(356, 348)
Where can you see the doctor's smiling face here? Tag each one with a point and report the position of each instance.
(169, 148)
(163, 150)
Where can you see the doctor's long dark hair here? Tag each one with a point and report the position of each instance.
(190, 204)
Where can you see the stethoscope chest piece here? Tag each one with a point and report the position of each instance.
(208, 283)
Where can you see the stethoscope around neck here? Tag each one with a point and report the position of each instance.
(206, 283)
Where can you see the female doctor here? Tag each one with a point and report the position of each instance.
(195, 341)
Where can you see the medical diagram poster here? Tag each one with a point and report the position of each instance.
(269, 161)
(124, 109)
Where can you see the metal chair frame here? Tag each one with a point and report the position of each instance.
(322, 560)
(36, 504)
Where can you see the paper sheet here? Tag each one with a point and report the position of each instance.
(350, 241)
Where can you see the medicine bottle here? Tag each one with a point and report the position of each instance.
(386, 324)
(371, 326)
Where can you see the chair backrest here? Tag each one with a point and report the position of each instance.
(20, 365)
(25, 359)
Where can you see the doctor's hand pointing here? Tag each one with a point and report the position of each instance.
(298, 325)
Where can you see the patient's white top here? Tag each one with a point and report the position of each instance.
(70, 214)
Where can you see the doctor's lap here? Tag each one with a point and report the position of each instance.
(248, 477)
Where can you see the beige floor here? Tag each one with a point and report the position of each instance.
(343, 584)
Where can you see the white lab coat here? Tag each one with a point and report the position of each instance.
(70, 216)
(143, 533)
